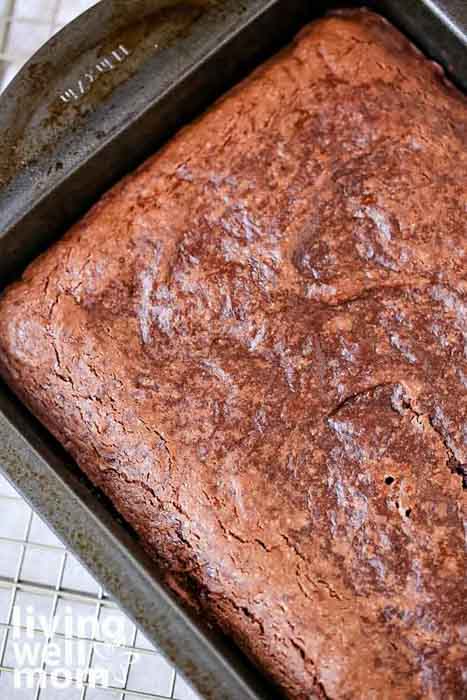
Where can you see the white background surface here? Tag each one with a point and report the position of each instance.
(35, 568)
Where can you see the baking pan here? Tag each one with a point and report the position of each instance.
(93, 103)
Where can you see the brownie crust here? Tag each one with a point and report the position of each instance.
(256, 346)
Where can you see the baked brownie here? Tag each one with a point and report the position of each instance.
(255, 345)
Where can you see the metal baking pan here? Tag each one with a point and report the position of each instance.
(93, 103)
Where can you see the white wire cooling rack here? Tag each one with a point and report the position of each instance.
(40, 581)
(47, 599)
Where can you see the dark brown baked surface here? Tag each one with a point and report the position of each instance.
(256, 346)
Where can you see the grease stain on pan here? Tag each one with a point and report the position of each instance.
(50, 117)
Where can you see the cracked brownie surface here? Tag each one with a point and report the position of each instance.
(255, 345)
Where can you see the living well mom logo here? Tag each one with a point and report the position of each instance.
(62, 652)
